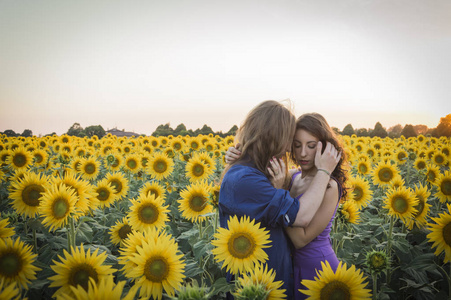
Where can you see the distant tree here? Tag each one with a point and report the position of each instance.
(27, 133)
(408, 131)
(163, 130)
(443, 128)
(232, 131)
(50, 134)
(180, 130)
(76, 130)
(379, 131)
(348, 130)
(420, 129)
(95, 130)
(206, 130)
(10, 132)
(362, 132)
(394, 131)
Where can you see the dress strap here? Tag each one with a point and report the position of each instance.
(292, 179)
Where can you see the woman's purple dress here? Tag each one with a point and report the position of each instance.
(308, 259)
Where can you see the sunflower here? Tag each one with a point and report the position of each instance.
(196, 169)
(114, 161)
(400, 156)
(432, 173)
(349, 212)
(16, 262)
(260, 275)
(194, 202)
(160, 166)
(77, 267)
(4, 231)
(177, 144)
(19, 159)
(397, 182)
(105, 289)
(401, 203)
(89, 168)
(120, 231)
(119, 183)
(40, 157)
(105, 193)
(86, 198)
(153, 188)
(27, 194)
(360, 191)
(75, 164)
(158, 266)
(344, 283)
(58, 204)
(132, 163)
(363, 167)
(420, 217)
(419, 163)
(384, 172)
(440, 234)
(443, 184)
(439, 159)
(214, 191)
(194, 143)
(9, 291)
(148, 212)
(129, 245)
(240, 246)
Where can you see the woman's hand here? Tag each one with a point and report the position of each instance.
(232, 154)
(329, 159)
(277, 171)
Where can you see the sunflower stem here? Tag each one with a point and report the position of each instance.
(335, 241)
(389, 243)
(35, 241)
(374, 285)
(71, 235)
(200, 229)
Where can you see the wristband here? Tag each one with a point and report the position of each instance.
(324, 171)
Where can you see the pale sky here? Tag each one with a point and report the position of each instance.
(137, 64)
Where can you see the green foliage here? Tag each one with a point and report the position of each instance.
(348, 130)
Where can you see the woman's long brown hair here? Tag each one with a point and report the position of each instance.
(265, 133)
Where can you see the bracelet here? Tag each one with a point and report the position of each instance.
(325, 171)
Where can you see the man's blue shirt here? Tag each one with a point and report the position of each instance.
(245, 191)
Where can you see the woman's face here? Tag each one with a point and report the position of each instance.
(305, 149)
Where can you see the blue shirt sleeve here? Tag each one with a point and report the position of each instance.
(247, 191)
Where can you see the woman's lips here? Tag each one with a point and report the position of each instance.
(304, 162)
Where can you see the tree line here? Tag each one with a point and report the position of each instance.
(443, 129)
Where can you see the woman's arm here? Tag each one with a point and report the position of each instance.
(301, 236)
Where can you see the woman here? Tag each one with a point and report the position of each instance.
(246, 189)
(312, 242)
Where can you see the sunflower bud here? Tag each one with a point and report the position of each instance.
(251, 292)
(376, 261)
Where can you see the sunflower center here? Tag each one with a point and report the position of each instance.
(445, 186)
(447, 234)
(358, 193)
(81, 274)
(431, 176)
(10, 264)
(197, 203)
(177, 146)
(60, 208)
(124, 231)
(132, 164)
(160, 166)
(104, 194)
(400, 205)
(439, 159)
(148, 214)
(241, 245)
(90, 169)
(39, 158)
(156, 269)
(115, 163)
(117, 185)
(363, 169)
(421, 165)
(335, 290)
(385, 174)
(19, 160)
(401, 155)
(154, 192)
(377, 261)
(198, 170)
(420, 206)
(31, 194)
(194, 145)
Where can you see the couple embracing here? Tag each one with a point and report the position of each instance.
(296, 206)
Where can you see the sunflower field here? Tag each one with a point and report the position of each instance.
(129, 218)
